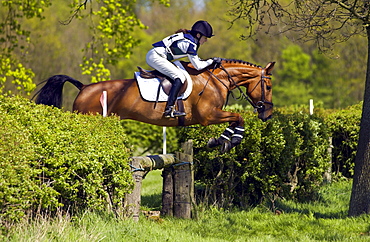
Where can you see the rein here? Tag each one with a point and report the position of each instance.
(260, 104)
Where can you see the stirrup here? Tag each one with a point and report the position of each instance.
(170, 112)
(178, 113)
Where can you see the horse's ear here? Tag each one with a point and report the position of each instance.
(269, 67)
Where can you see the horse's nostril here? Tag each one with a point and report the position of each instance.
(264, 119)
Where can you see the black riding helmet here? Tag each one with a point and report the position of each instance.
(202, 27)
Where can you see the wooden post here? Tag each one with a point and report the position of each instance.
(133, 200)
(167, 192)
(178, 184)
(182, 183)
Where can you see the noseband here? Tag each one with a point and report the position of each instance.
(260, 105)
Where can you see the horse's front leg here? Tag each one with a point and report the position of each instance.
(232, 135)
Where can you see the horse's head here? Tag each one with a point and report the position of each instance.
(257, 81)
(260, 91)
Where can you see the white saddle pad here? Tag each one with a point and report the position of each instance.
(149, 87)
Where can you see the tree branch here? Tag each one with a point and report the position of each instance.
(351, 9)
(69, 20)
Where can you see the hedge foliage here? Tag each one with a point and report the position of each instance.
(52, 159)
(344, 128)
(284, 157)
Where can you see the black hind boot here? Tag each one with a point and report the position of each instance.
(170, 111)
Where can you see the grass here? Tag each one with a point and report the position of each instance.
(324, 220)
(151, 191)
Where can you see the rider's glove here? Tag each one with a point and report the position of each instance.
(217, 61)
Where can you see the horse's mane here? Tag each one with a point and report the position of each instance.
(193, 71)
(240, 62)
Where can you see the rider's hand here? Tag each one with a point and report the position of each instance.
(217, 61)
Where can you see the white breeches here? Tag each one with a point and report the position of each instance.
(161, 64)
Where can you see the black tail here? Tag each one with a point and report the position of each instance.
(51, 93)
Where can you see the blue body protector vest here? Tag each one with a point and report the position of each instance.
(173, 51)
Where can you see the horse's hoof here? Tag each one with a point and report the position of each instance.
(226, 146)
(212, 142)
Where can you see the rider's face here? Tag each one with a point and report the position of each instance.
(202, 40)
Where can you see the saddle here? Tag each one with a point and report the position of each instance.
(165, 81)
(165, 86)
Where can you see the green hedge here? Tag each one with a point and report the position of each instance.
(52, 159)
(344, 128)
(284, 157)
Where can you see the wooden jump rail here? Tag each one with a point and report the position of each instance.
(178, 182)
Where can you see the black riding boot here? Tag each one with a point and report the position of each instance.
(170, 111)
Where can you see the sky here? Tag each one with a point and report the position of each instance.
(199, 3)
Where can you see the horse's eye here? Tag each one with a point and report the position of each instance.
(268, 87)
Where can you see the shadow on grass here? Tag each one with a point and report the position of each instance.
(152, 202)
(330, 202)
(312, 211)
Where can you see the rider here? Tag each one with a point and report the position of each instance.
(183, 43)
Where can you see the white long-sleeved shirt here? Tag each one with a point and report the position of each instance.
(181, 45)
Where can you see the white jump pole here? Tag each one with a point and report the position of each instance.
(164, 141)
(311, 106)
(103, 102)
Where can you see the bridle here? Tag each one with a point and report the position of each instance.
(260, 105)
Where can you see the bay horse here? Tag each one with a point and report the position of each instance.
(211, 88)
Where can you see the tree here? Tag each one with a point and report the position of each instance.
(327, 22)
(295, 74)
(111, 24)
(14, 40)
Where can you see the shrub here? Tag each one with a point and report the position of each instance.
(284, 157)
(52, 159)
(344, 128)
